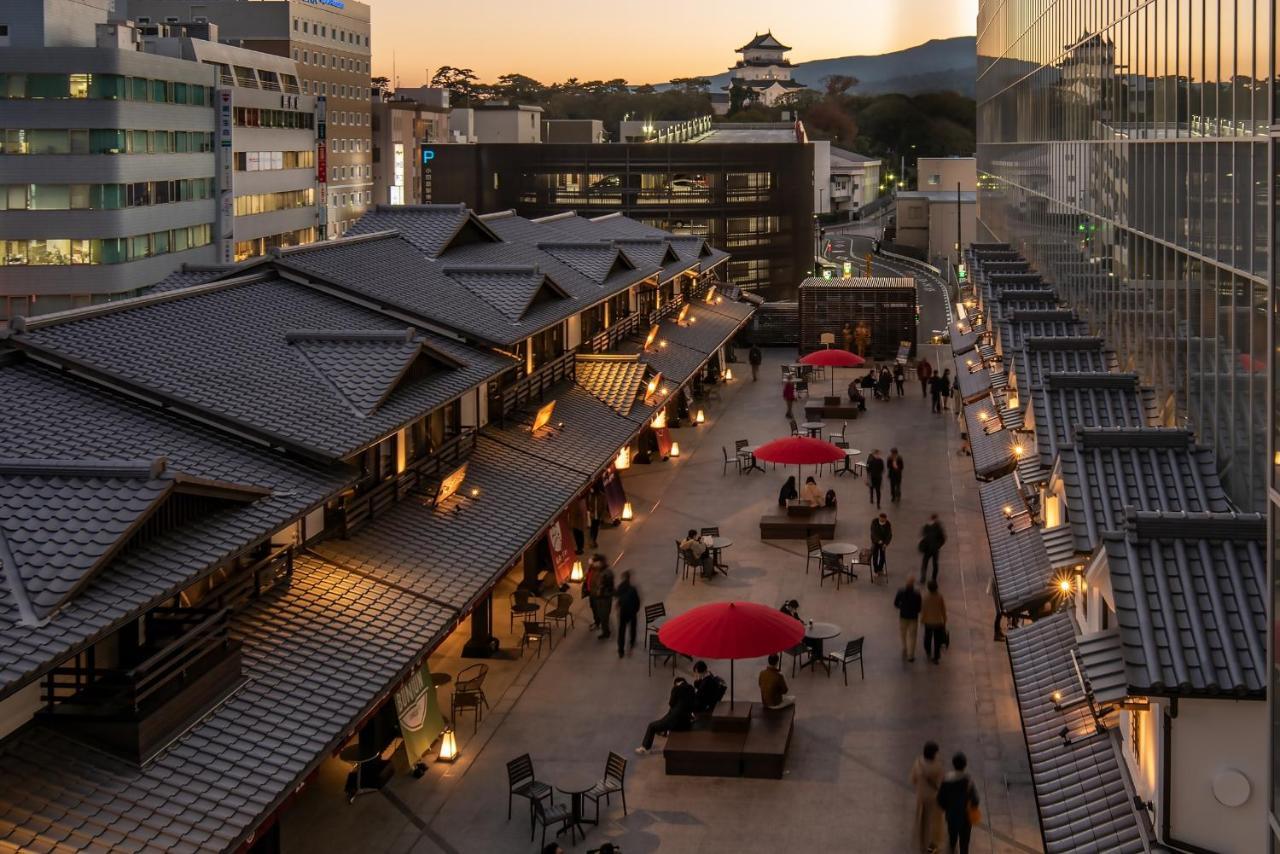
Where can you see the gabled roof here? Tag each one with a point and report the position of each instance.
(512, 290)
(976, 377)
(1021, 325)
(1019, 561)
(432, 229)
(595, 260)
(222, 352)
(1191, 601)
(1083, 794)
(763, 42)
(646, 246)
(689, 247)
(992, 444)
(1056, 355)
(965, 335)
(1064, 403)
(1107, 473)
(61, 521)
(614, 380)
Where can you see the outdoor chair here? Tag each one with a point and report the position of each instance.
(559, 614)
(522, 605)
(615, 769)
(523, 783)
(468, 694)
(844, 428)
(802, 389)
(832, 567)
(840, 466)
(536, 632)
(795, 428)
(737, 460)
(798, 652)
(852, 652)
(551, 814)
(658, 649)
(686, 566)
(813, 543)
(863, 558)
(739, 446)
(653, 615)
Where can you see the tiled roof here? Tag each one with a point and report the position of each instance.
(1007, 305)
(186, 277)
(430, 228)
(1024, 577)
(224, 352)
(690, 248)
(1060, 545)
(679, 351)
(1067, 402)
(1065, 355)
(1105, 473)
(364, 368)
(1082, 790)
(976, 383)
(61, 418)
(645, 245)
(1102, 660)
(965, 335)
(992, 445)
(1191, 601)
(62, 521)
(511, 290)
(317, 657)
(1038, 324)
(596, 261)
(615, 380)
(766, 41)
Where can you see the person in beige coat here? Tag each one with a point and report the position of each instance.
(933, 613)
(926, 775)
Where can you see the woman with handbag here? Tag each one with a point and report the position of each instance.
(959, 801)
(933, 614)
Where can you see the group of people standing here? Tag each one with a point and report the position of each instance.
(929, 609)
(601, 591)
(943, 799)
(938, 387)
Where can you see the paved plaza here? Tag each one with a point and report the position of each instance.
(846, 785)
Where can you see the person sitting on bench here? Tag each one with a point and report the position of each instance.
(773, 686)
(708, 688)
(678, 717)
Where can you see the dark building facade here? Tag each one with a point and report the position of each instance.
(752, 200)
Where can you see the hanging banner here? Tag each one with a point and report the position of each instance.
(560, 541)
(419, 713)
(614, 494)
(664, 441)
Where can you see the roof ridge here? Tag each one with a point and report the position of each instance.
(1089, 379)
(1135, 437)
(449, 269)
(1180, 525)
(1064, 342)
(141, 468)
(509, 212)
(429, 206)
(556, 216)
(406, 335)
(345, 240)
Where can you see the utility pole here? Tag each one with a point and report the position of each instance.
(958, 225)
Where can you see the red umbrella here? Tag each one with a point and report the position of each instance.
(833, 358)
(731, 630)
(799, 451)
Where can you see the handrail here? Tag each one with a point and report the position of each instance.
(361, 509)
(607, 339)
(171, 661)
(667, 309)
(503, 402)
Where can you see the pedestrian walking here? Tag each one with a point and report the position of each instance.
(628, 609)
(591, 586)
(899, 379)
(894, 465)
(932, 539)
(881, 536)
(926, 776)
(754, 358)
(602, 595)
(789, 393)
(944, 389)
(875, 476)
(958, 799)
(578, 523)
(924, 373)
(933, 613)
(598, 504)
(935, 392)
(907, 601)
(883, 383)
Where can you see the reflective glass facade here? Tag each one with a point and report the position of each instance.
(1127, 148)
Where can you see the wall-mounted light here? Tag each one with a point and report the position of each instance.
(448, 747)
(683, 316)
(649, 339)
(711, 294)
(627, 513)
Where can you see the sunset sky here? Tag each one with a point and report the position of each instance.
(643, 41)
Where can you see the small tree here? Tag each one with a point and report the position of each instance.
(462, 83)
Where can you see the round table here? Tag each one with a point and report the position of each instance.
(849, 454)
(440, 679)
(813, 428)
(575, 787)
(715, 545)
(817, 634)
(841, 549)
(750, 451)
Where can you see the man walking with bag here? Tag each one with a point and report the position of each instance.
(907, 601)
(932, 539)
(959, 801)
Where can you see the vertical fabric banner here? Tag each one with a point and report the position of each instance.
(664, 441)
(419, 713)
(614, 494)
(560, 541)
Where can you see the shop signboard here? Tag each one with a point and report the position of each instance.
(561, 545)
(614, 494)
(419, 712)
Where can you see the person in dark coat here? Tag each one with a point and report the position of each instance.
(881, 536)
(754, 358)
(894, 465)
(601, 592)
(679, 714)
(708, 689)
(924, 373)
(788, 492)
(875, 476)
(956, 796)
(908, 602)
(899, 379)
(628, 612)
(944, 389)
(935, 392)
(932, 538)
(882, 384)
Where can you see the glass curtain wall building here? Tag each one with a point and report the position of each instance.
(1127, 147)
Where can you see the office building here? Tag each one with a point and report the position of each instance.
(330, 44)
(749, 191)
(274, 197)
(403, 122)
(107, 160)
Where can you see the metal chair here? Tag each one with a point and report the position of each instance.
(797, 652)
(550, 815)
(522, 605)
(839, 437)
(654, 614)
(536, 631)
(686, 566)
(615, 769)
(813, 543)
(560, 613)
(737, 460)
(852, 652)
(832, 567)
(523, 783)
(468, 694)
(657, 649)
(795, 428)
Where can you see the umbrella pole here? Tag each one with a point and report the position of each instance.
(731, 686)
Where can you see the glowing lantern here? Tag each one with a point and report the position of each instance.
(627, 513)
(623, 460)
(728, 374)
(576, 575)
(675, 449)
(448, 747)
(701, 417)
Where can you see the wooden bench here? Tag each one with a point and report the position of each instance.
(819, 411)
(705, 753)
(764, 753)
(783, 526)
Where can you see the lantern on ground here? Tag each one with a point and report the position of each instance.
(627, 513)
(448, 747)
(675, 449)
(576, 575)
(701, 417)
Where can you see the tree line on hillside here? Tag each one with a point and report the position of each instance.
(928, 124)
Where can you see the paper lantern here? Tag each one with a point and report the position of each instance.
(576, 575)
(627, 513)
(701, 417)
(448, 747)
(623, 461)
(675, 449)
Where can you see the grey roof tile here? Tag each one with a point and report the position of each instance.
(1038, 357)
(430, 228)
(615, 380)
(1021, 325)
(1191, 602)
(965, 335)
(992, 444)
(1023, 574)
(1082, 792)
(1063, 403)
(225, 353)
